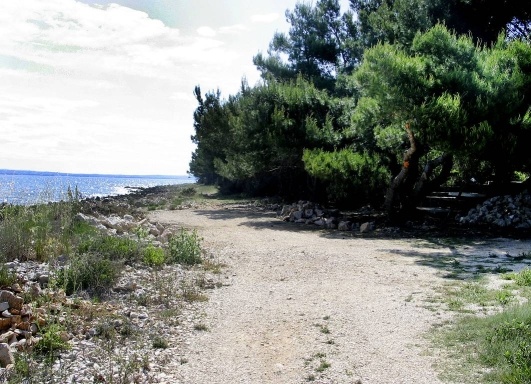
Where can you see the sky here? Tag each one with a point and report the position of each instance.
(96, 86)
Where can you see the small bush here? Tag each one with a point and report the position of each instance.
(52, 340)
(159, 343)
(113, 248)
(188, 191)
(185, 248)
(522, 278)
(7, 278)
(36, 232)
(154, 256)
(89, 272)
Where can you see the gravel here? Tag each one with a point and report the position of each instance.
(300, 304)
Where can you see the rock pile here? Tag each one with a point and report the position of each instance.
(114, 225)
(502, 212)
(305, 212)
(142, 308)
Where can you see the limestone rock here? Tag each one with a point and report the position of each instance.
(367, 227)
(6, 357)
(13, 300)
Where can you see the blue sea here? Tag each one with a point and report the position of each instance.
(26, 187)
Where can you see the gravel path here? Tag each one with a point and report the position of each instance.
(303, 305)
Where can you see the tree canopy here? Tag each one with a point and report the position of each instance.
(387, 89)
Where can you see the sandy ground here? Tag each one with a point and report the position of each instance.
(303, 305)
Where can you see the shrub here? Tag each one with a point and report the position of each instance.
(185, 248)
(89, 272)
(522, 278)
(113, 248)
(52, 340)
(36, 232)
(153, 256)
(188, 191)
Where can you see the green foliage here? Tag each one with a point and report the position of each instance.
(52, 341)
(7, 277)
(394, 64)
(185, 248)
(92, 272)
(349, 175)
(112, 248)
(522, 278)
(460, 99)
(37, 232)
(160, 343)
(154, 256)
(318, 45)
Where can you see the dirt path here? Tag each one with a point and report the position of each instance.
(305, 305)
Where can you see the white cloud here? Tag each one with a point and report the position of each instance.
(104, 88)
(206, 32)
(267, 18)
(233, 29)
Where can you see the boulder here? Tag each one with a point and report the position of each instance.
(367, 227)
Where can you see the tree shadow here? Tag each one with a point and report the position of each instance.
(463, 256)
(467, 258)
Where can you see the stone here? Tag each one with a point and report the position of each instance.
(6, 314)
(3, 306)
(5, 337)
(366, 227)
(344, 226)
(296, 215)
(13, 300)
(16, 288)
(166, 235)
(44, 279)
(6, 357)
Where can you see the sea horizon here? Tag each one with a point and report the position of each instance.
(22, 187)
(53, 173)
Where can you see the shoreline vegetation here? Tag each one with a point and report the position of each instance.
(91, 290)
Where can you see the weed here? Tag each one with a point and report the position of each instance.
(7, 277)
(501, 345)
(89, 272)
(200, 327)
(53, 340)
(310, 377)
(213, 267)
(160, 343)
(192, 295)
(504, 297)
(185, 248)
(476, 293)
(112, 248)
(325, 330)
(522, 278)
(324, 365)
(188, 191)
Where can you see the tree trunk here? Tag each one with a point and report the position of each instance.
(425, 185)
(398, 196)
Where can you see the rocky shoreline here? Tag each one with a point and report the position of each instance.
(133, 334)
